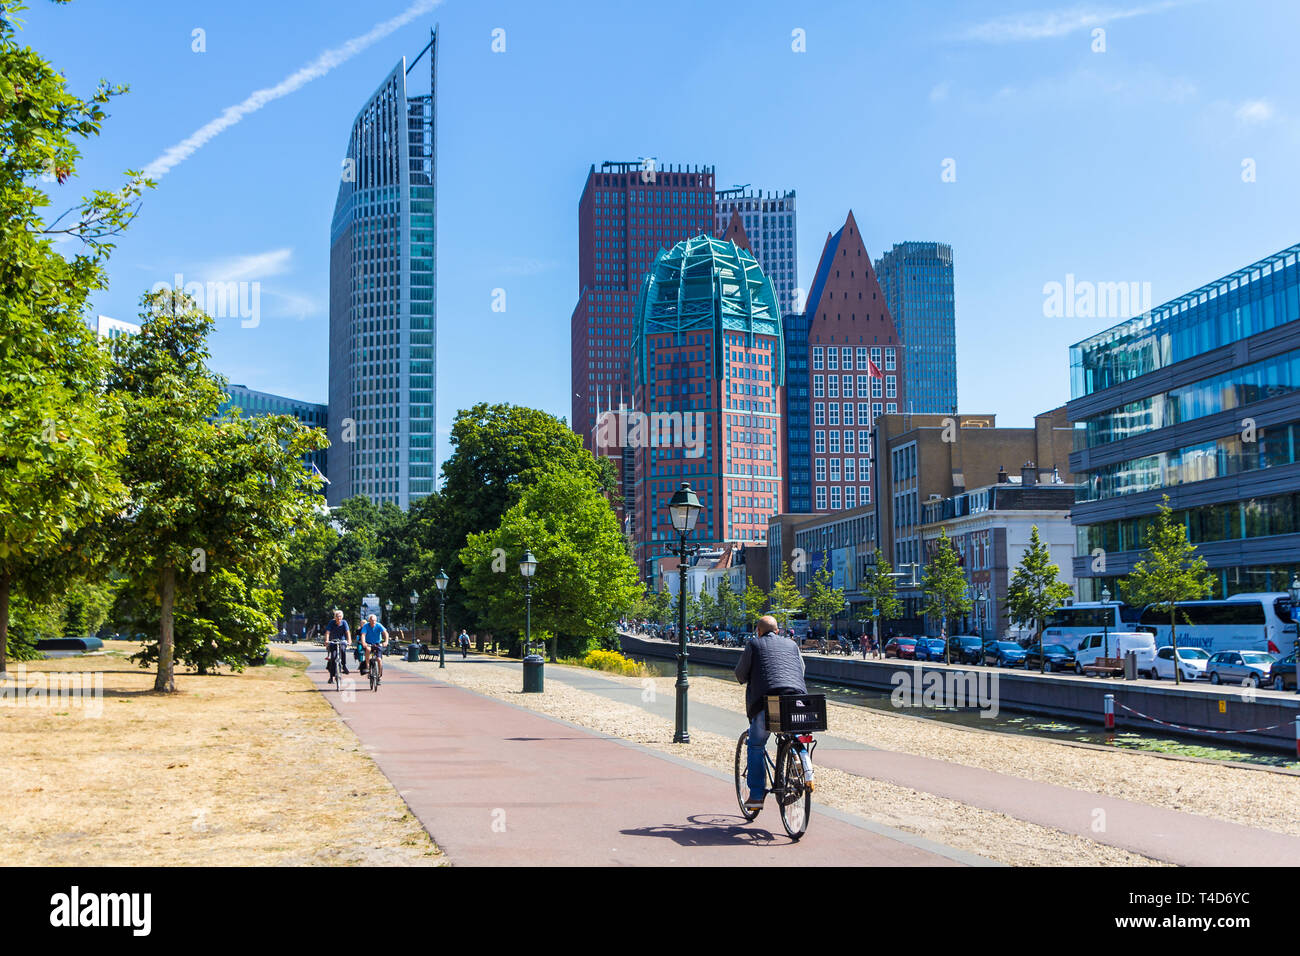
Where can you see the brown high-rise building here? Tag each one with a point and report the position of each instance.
(854, 370)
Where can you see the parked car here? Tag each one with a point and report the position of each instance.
(901, 647)
(1003, 654)
(1191, 663)
(1282, 675)
(930, 648)
(1251, 668)
(1055, 657)
(966, 649)
(1116, 644)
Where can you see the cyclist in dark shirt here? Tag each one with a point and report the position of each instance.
(769, 664)
(337, 630)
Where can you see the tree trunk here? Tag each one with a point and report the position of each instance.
(4, 621)
(552, 651)
(166, 679)
(1173, 639)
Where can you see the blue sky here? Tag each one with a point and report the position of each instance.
(1122, 165)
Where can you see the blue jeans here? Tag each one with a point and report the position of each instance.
(757, 776)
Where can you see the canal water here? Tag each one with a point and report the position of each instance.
(1011, 723)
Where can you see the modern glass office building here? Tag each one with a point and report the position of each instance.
(383, 297)
(253, 403)
(916, 278)
(771, 226)
(798, 415)
(1198, 399)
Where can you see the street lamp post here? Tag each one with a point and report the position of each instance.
(1294, 592)
(684, 509)
(441, 581)
(389, 607)
(527, 568)
(415, 599)
(1105, 628)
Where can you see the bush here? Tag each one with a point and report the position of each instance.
(615, 663)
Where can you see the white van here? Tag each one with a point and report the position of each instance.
(1119, 643)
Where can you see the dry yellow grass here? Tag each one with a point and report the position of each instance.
(235, 769)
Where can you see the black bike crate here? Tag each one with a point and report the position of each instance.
(796, 713)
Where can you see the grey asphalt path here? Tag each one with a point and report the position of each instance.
(1185, 839)
(500, 785)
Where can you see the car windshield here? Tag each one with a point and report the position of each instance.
(1192, 654)
(1257, 657)
(1055, 649)
(1008, 645)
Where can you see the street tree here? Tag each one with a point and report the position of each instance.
(1034, 592)
(824, 603)
(60, 435)
(881, 588)
(752, 603)
(784, 599)
(1170, 572)
(728, 603)
(944, 586)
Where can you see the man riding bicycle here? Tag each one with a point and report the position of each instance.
(336, 633)
(374, 638)
(769, 665)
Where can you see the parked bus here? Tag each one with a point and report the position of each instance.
(1070, 624)
(1243, 622)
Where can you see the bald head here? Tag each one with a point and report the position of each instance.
(767, 624)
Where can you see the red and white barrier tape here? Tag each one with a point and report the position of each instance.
(1201, 730)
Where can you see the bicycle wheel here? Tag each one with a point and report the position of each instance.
(793, 798)
(374, 674)
(742, 775)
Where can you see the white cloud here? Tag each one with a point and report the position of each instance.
(1255, 111)
(252, 267)
(938, 92)
(314, 70)
(1048, 24)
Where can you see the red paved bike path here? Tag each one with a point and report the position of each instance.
(497, 785)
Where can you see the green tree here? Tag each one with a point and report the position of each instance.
(203, 493)
(944, 586)
(728, 603)
(881, 588)
(1171, 571)
(498, 452)
(1034, 591)
(824, 602)
(706, 610)
(752, 603)
(303, 575)
(59, 435)
(784, 599)
(346, 587)
(584, 582)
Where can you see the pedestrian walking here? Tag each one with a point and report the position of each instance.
(463, 641)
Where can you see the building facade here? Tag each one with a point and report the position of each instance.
(854, 367)
(253, 403)
(629, 213)
(1198, 399)
(770, 222)
(708, 366)
(990, 530)
(383, 297)
(917, 281)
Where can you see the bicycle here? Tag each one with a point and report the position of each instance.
(785, 773)
(335, 663)
(375, 669)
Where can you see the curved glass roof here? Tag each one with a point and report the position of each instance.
(707, 284)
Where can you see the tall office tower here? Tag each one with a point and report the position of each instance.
(708, 363)
(917, 281)
(798, 414)
(383, 297)
(769, 221)
(628, 213)
(853, 362)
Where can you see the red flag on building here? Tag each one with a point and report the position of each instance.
(874, 370)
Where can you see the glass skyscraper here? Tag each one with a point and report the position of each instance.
(916, 278)
(770, 226)
(383, 297)
(1198, 399)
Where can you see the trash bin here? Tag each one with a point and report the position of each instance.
(533, 682)
(1131, 666)
(413, 652)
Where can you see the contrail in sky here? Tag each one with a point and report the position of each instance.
(294, 81)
